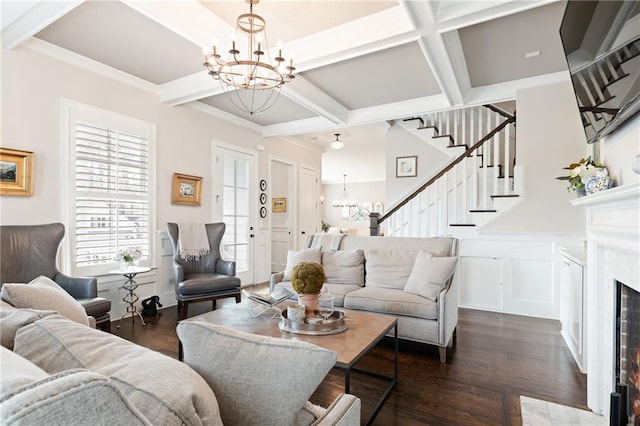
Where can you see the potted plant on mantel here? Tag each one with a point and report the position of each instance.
(307, 279)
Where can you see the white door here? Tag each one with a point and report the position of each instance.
(235, 207)
(308, 204)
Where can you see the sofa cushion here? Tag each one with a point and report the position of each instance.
(344, 267)
(296, 256)
(164, 390)
(29, 396)
(17, 372)
(388, 268)
(13, 319)
(391, 301)
(429, 275)
(258, 380)
(44, 294)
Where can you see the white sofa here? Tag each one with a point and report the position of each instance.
(58, 372)
(381, 274)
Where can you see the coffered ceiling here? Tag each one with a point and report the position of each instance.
(359, 63)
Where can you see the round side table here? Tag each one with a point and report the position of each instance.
(130, 286)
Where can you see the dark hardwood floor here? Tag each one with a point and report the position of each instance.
(496, 358)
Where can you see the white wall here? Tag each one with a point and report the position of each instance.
(401, 143)
(32, 87)
(549, 136)
(618, 152)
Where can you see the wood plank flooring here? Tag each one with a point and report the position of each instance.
(496, 358)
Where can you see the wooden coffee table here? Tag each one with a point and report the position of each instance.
(364, 331)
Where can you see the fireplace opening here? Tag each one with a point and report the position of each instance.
(628, 349)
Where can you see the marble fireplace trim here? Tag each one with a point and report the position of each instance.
(613, 253)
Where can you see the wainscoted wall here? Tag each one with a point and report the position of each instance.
(512, 275)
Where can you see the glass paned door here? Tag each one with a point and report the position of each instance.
(236, 170)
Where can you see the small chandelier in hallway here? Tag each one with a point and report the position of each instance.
(251, 82)
(345, 201)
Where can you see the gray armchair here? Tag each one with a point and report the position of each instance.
(209, 278)
(31, 250)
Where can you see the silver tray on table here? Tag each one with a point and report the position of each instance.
(334, 325)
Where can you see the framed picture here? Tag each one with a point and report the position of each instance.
(279, 205)
(16, 172)
(407, 166)
(186, 189)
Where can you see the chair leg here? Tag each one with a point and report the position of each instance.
(238, 298)
(443, 354)
(213, 304)
(182, 312)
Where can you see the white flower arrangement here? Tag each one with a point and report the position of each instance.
(128, 255)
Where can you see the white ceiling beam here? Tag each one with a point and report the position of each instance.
(187, 18)
(466, 14)
(190, 88)
(434, 49)
(298, 127)
(27, 20)
(508, 90)
(397, 110)
(314, 99)
(358, 37)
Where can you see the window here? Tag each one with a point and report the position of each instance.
(110, 187)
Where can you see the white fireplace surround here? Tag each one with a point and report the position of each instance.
(613, 253)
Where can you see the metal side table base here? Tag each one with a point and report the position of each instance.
(131, 297)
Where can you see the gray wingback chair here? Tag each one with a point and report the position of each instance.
(28, 251)
(209, 278)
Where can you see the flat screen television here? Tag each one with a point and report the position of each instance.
(601, 41)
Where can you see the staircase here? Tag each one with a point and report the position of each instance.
(480, 182)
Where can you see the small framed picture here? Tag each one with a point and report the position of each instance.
(186, 189)
(407, 166)
(279, 205)
(16, 172)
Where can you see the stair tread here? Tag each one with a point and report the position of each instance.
(505, 196)
(456, 146)
(483, 211)
(462, 224)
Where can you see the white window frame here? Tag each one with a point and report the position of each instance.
(71, 113)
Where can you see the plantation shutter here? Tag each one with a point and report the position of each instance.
(111, 194)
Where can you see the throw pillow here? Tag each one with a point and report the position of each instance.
(17, 372)
(344, 267)
(44, 294)
(239, 366)
(388, 268)
(11, 320)
(294, 257)
(164, 390)
(429, 275)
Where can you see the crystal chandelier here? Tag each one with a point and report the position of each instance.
(345, 201)
(252, 83)
(337, 144)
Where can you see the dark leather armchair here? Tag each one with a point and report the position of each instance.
(31, 250)
(209, 278)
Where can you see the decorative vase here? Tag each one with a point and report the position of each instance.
(310, 303)
(581, 192)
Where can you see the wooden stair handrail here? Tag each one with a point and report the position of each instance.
(447, 168)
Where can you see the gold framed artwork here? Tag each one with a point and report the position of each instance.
(279, 205)
(16, 172)
(186, 189)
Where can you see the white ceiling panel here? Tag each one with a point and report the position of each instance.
(114, 34)
(495, 50)
(283, 107)
(383, 77)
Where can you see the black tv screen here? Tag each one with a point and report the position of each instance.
(601, 41)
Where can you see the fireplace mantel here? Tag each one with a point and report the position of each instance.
(613, 253)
